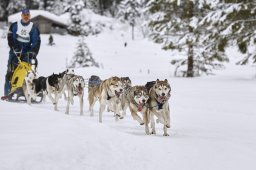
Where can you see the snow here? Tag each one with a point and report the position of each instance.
(212, 117)
(62, 19)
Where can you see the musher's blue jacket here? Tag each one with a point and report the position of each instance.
(32, 46)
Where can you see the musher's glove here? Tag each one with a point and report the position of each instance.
(16, 49)
(32, 55)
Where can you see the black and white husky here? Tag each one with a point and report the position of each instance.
(48, 86)
(29, 87)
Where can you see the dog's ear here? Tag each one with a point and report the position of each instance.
(157, 80)
(135, 92)
(165, 80)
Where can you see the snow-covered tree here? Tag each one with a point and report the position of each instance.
(54, 6)
(83, 56)
(3, 11)
(175, 24)
(15, 6)
(57, 7)
(130, 10)
(75, 12)
(235, 22)
(33, 4)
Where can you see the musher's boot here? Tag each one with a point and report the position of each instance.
(4, 98)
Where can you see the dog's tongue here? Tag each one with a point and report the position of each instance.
(161, 99)
(140, 107)
(79, 89)
(118, 94)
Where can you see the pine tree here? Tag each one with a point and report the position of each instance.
(3, 10)
(130, 11)
(15, 6)
(33, 4)
(83, 56)
(93, 5)
(175, 24)
(235, 21)
(75, 9)
(57, 7)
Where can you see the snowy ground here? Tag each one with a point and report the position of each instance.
(212, 118)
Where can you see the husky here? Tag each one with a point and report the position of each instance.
(108, 93)
(126, 81)
(159, 94)
(137, 101)
(29, 87)
(75, 87)
(127, 84)
(63, 78)
(48, 86)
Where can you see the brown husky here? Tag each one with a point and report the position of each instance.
(108, 92)
(159, 95)
(137, 98)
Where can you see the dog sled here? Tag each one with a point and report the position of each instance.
(17, 80)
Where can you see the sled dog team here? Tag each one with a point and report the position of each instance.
(115, 93)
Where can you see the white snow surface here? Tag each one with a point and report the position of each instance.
(62, 19)
(212, 117)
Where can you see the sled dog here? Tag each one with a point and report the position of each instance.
(159, 94)
(109, 94)
(75, 87)
(48, 86)
(29, 87)
(137, 101)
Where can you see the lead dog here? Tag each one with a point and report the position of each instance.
(108, 93)
(127, 84)
(75, 87)
(137, 98)
(159, 95)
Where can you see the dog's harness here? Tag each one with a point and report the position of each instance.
(160, 103)
(108, 96)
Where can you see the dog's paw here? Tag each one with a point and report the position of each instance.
(153, 132)
(119, 116)
(166, 134)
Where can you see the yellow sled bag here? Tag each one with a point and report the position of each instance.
(19, 75)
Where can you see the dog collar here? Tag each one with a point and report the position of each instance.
(108, 96)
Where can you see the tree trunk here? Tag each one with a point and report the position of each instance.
(101, 7)
(132, 32)
(190, 72)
